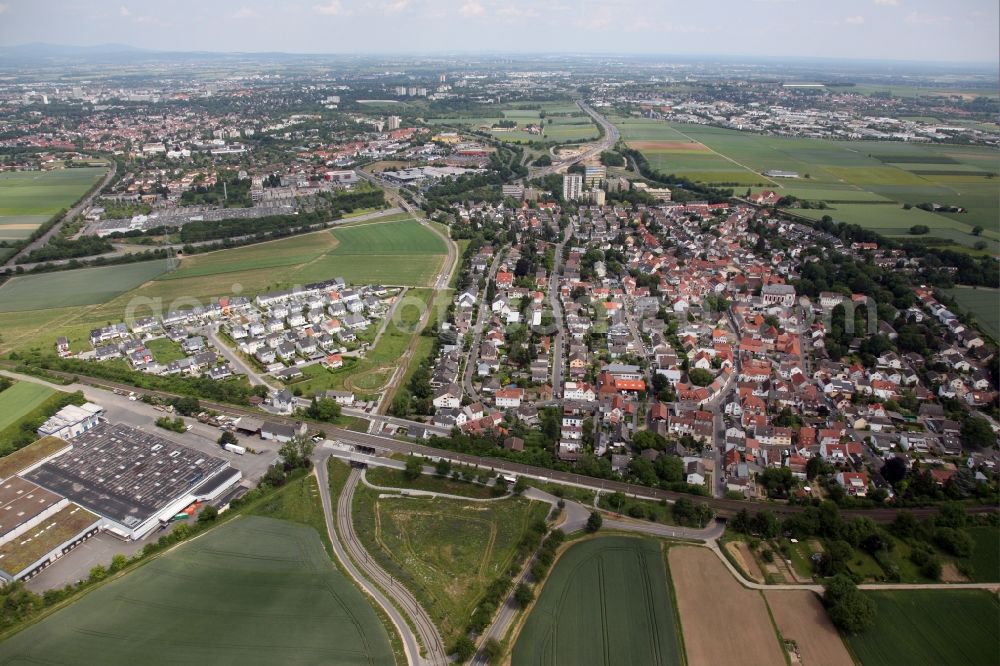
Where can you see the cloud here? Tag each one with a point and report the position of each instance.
(855, 20)
(594, 23)
(511, 13)
(887, 3)
(3, 7)
(246, 13)
(124, 11)
(396, 7)
(472, 8)
(918, 18)
(332, 8)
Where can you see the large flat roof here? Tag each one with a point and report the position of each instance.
(29, 455)
(126, 474)
(22, 552)
(21, 501)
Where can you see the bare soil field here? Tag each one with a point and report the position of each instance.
(723, 622)
(801, 618)
(670, 146)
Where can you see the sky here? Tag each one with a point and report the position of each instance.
(921, 30)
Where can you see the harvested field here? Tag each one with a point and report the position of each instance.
(740, 552)
(801, 618)
(670, 146)
(709, 601)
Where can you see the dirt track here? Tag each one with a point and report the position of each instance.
(723, 622)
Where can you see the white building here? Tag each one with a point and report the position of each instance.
(572, 186)
(71, 420)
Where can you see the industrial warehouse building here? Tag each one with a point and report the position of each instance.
(37, 526)
(71, 420)
(132, 479)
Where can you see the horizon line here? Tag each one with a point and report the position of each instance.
(993, 65)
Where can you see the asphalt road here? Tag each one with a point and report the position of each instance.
(558, 339)
(477, 331)
(607, 142)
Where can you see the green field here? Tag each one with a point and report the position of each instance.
(394, 478)
(85, 286)
(445, 551)
(568, 123)
(917, 627)
(982, 303)
(19, 399)
(398, 253)
(35, 309)
(165, 350)
(985, 558)
(253, 591)
(864, 183)
(29, 198)
(607, 601)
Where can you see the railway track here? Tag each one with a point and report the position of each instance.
(723, 507)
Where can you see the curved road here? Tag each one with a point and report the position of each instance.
(436, 653)
(608, 141)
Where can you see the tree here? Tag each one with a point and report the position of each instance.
(295, 453)
(777, 480)
(520, 485)
(956, 542)
(208, 514)
(414, 468)
(904, 524)
(612, 158)
(814, 467)
(977, 230)
(894, 470)
(492, 650)
(464, 648)
(700, 377)
(919, 230)
(323, 409)
(187, 405)
(847, 607)
(977, 433)
(442, 468)
(227, 438)
(766, 525)
(523, 595)
(118, 562)
(594, 522)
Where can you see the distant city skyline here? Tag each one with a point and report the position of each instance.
(916, 30)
